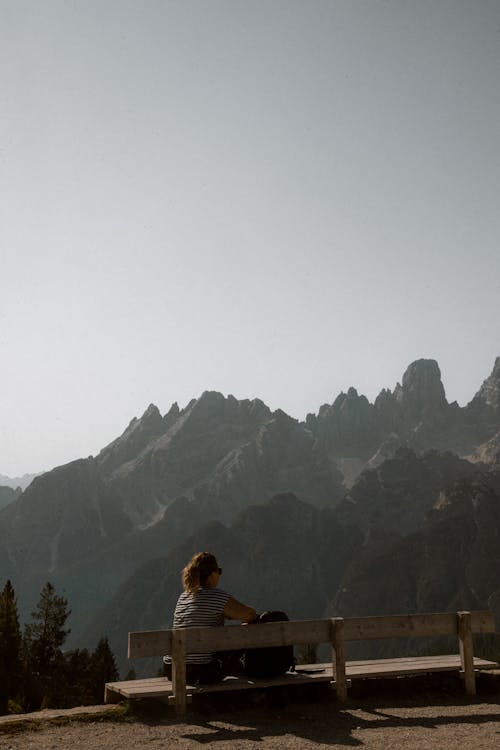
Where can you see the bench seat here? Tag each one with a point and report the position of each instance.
(161, 687)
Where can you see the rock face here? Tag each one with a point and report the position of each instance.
(303, 511)
(355, 434)
(395, 498)
(483, 412)
(488, 453)
(449, 563)
(489, 393)
(422, 394)
(8, 495)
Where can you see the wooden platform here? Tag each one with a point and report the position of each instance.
(161, 687)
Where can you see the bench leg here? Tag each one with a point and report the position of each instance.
(466, 651)
(338, 658)
(112, 696)
(179, 671)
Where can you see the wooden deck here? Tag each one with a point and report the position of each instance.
(161, 687)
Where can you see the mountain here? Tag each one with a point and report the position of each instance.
(286, 555)
(450, 563)
(356, 434)
(395, 497)
(15, 482)
(8, 495)
(487, 399)
(207, 474)
(87, 524)
(380, 551)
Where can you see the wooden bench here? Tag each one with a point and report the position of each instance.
(337, 631)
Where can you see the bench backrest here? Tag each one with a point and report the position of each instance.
(299, 632)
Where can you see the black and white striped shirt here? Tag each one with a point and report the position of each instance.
(204, 608)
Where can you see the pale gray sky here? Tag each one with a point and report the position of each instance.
(267, 198)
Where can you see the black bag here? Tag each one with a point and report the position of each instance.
(271, 661)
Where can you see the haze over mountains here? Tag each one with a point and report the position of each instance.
(362, 508)
(15, 482)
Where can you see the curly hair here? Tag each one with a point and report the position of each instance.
(198, 570)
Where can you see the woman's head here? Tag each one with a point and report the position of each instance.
(199, 571)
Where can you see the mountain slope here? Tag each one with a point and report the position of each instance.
(89, 525)
(285, 554)
(8, 495)
(451, 563)
(84, 524)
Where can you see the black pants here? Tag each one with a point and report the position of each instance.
(226, 662)
(199, 674)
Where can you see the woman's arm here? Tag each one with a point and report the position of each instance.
(234, 610)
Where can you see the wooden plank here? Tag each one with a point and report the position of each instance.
(163, 687)
(179, 670)
(416, 625)
(298, 632)
(139, 684)
(400, 659)
(201, 640)
(484, 663)
(400, 626)
(466, 651)
(146, 691)
(149, 643)
(245, 683)
(482, 622)
(224, 638)
(394, 667)
(338, 658)
(410, 665)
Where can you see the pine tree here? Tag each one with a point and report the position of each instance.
(42, 645)
(102, 669)
(73, 680)
(4, 686)
(10, 647)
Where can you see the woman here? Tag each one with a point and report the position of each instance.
(202, 604)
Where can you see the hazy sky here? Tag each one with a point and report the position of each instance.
(266, 198)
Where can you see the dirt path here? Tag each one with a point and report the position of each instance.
(405, 722)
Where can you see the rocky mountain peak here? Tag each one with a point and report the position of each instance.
(138, 434)
(422, 389)
(172, 415)
(152, 412)
(209, 402)
(489, 393)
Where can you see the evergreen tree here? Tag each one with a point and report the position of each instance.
(42, 646)
(10, 647)
(73, 680)
(102, 669)
(4, 685)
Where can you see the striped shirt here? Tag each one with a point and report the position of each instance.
(204, 608)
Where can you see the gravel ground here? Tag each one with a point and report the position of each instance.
(380, 720)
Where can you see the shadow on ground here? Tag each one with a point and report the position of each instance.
(312, 713)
